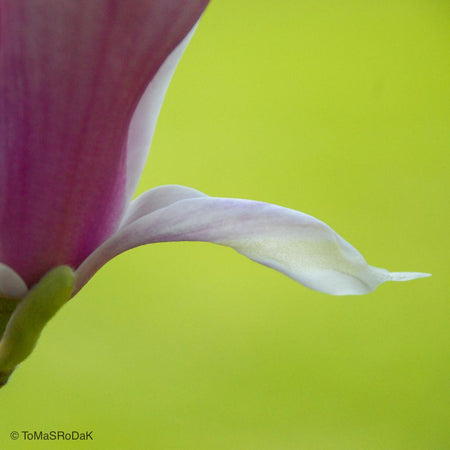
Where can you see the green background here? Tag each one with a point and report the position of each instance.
(335, 108)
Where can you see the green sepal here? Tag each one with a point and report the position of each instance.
(29, 317)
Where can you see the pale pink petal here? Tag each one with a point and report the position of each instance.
(11, 284)
(158, 198)
(72, 73)
(144, 119)
(302, 247)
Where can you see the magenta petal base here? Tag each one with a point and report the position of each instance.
(72, 74)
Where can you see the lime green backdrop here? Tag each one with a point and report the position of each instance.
(337, 109)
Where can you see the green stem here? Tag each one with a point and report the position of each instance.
(30, 316)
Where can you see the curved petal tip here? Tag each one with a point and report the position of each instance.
(407, 276)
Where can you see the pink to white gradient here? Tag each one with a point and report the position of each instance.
(81, 86)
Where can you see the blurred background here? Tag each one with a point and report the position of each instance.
(337, 109)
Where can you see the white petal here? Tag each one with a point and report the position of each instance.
(407, 276)
(143, 122)
(11, 283)
(297, 244)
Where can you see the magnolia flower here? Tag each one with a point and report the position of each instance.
(81, 86)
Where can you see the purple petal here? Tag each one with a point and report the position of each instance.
(11, 284)
(302, 247)
(71, 76)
